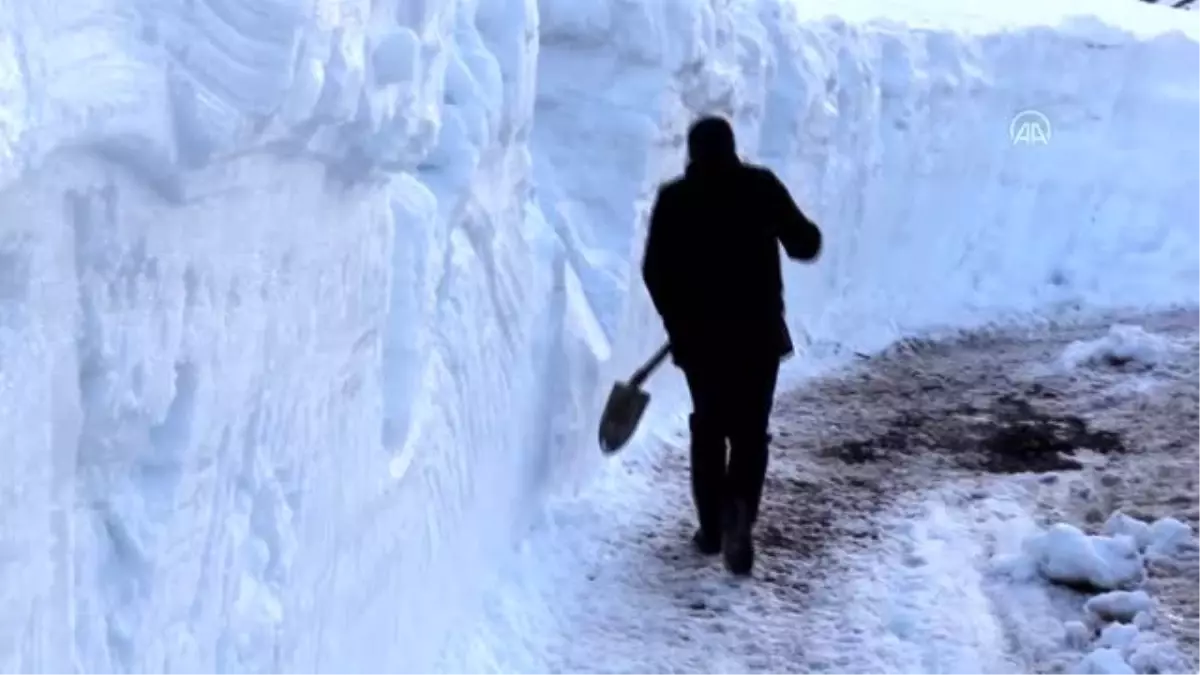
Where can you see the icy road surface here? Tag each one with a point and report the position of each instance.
(896, 487)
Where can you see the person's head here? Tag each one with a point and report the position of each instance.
(710, 141)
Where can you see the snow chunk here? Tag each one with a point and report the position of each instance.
(1119, 605)
(1065, 555)
(1169, 538)
(1119, 636)
(1124, 346)
(1124, 616)
(1155, 654)
(1104, 661)
(1165, 538)
(1077, 634)
(1120, 524)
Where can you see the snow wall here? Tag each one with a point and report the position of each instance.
(306, 307)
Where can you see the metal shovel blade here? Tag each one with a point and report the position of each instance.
(625, 405)
(621, 415)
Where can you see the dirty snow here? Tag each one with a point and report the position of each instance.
(892, 530)
(1122, 346)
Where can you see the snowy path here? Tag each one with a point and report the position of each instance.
(891, 486)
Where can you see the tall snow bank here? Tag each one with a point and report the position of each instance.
(935, 216)
(892, 123)
(283, 346)
(304, 306)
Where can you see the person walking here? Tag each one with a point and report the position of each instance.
(713, 272)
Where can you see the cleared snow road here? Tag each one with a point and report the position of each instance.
(892, 485)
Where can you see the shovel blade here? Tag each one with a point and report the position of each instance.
(621, 415)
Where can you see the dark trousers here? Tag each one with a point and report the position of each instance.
(731, 403)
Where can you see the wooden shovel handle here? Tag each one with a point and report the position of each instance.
(640, 375)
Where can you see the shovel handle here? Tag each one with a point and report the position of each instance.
(640, 375)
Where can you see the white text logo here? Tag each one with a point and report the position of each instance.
(1029, 127)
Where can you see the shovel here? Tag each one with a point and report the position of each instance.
(625, 405)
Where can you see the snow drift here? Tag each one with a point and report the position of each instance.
(306, 306)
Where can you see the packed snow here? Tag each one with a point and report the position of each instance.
(306, 308)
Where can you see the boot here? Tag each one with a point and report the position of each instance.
(737, 539)
(757, 476)
(747, 471)
(706, 543)
(708, 484)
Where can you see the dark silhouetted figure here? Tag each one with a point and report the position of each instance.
(713, 271)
